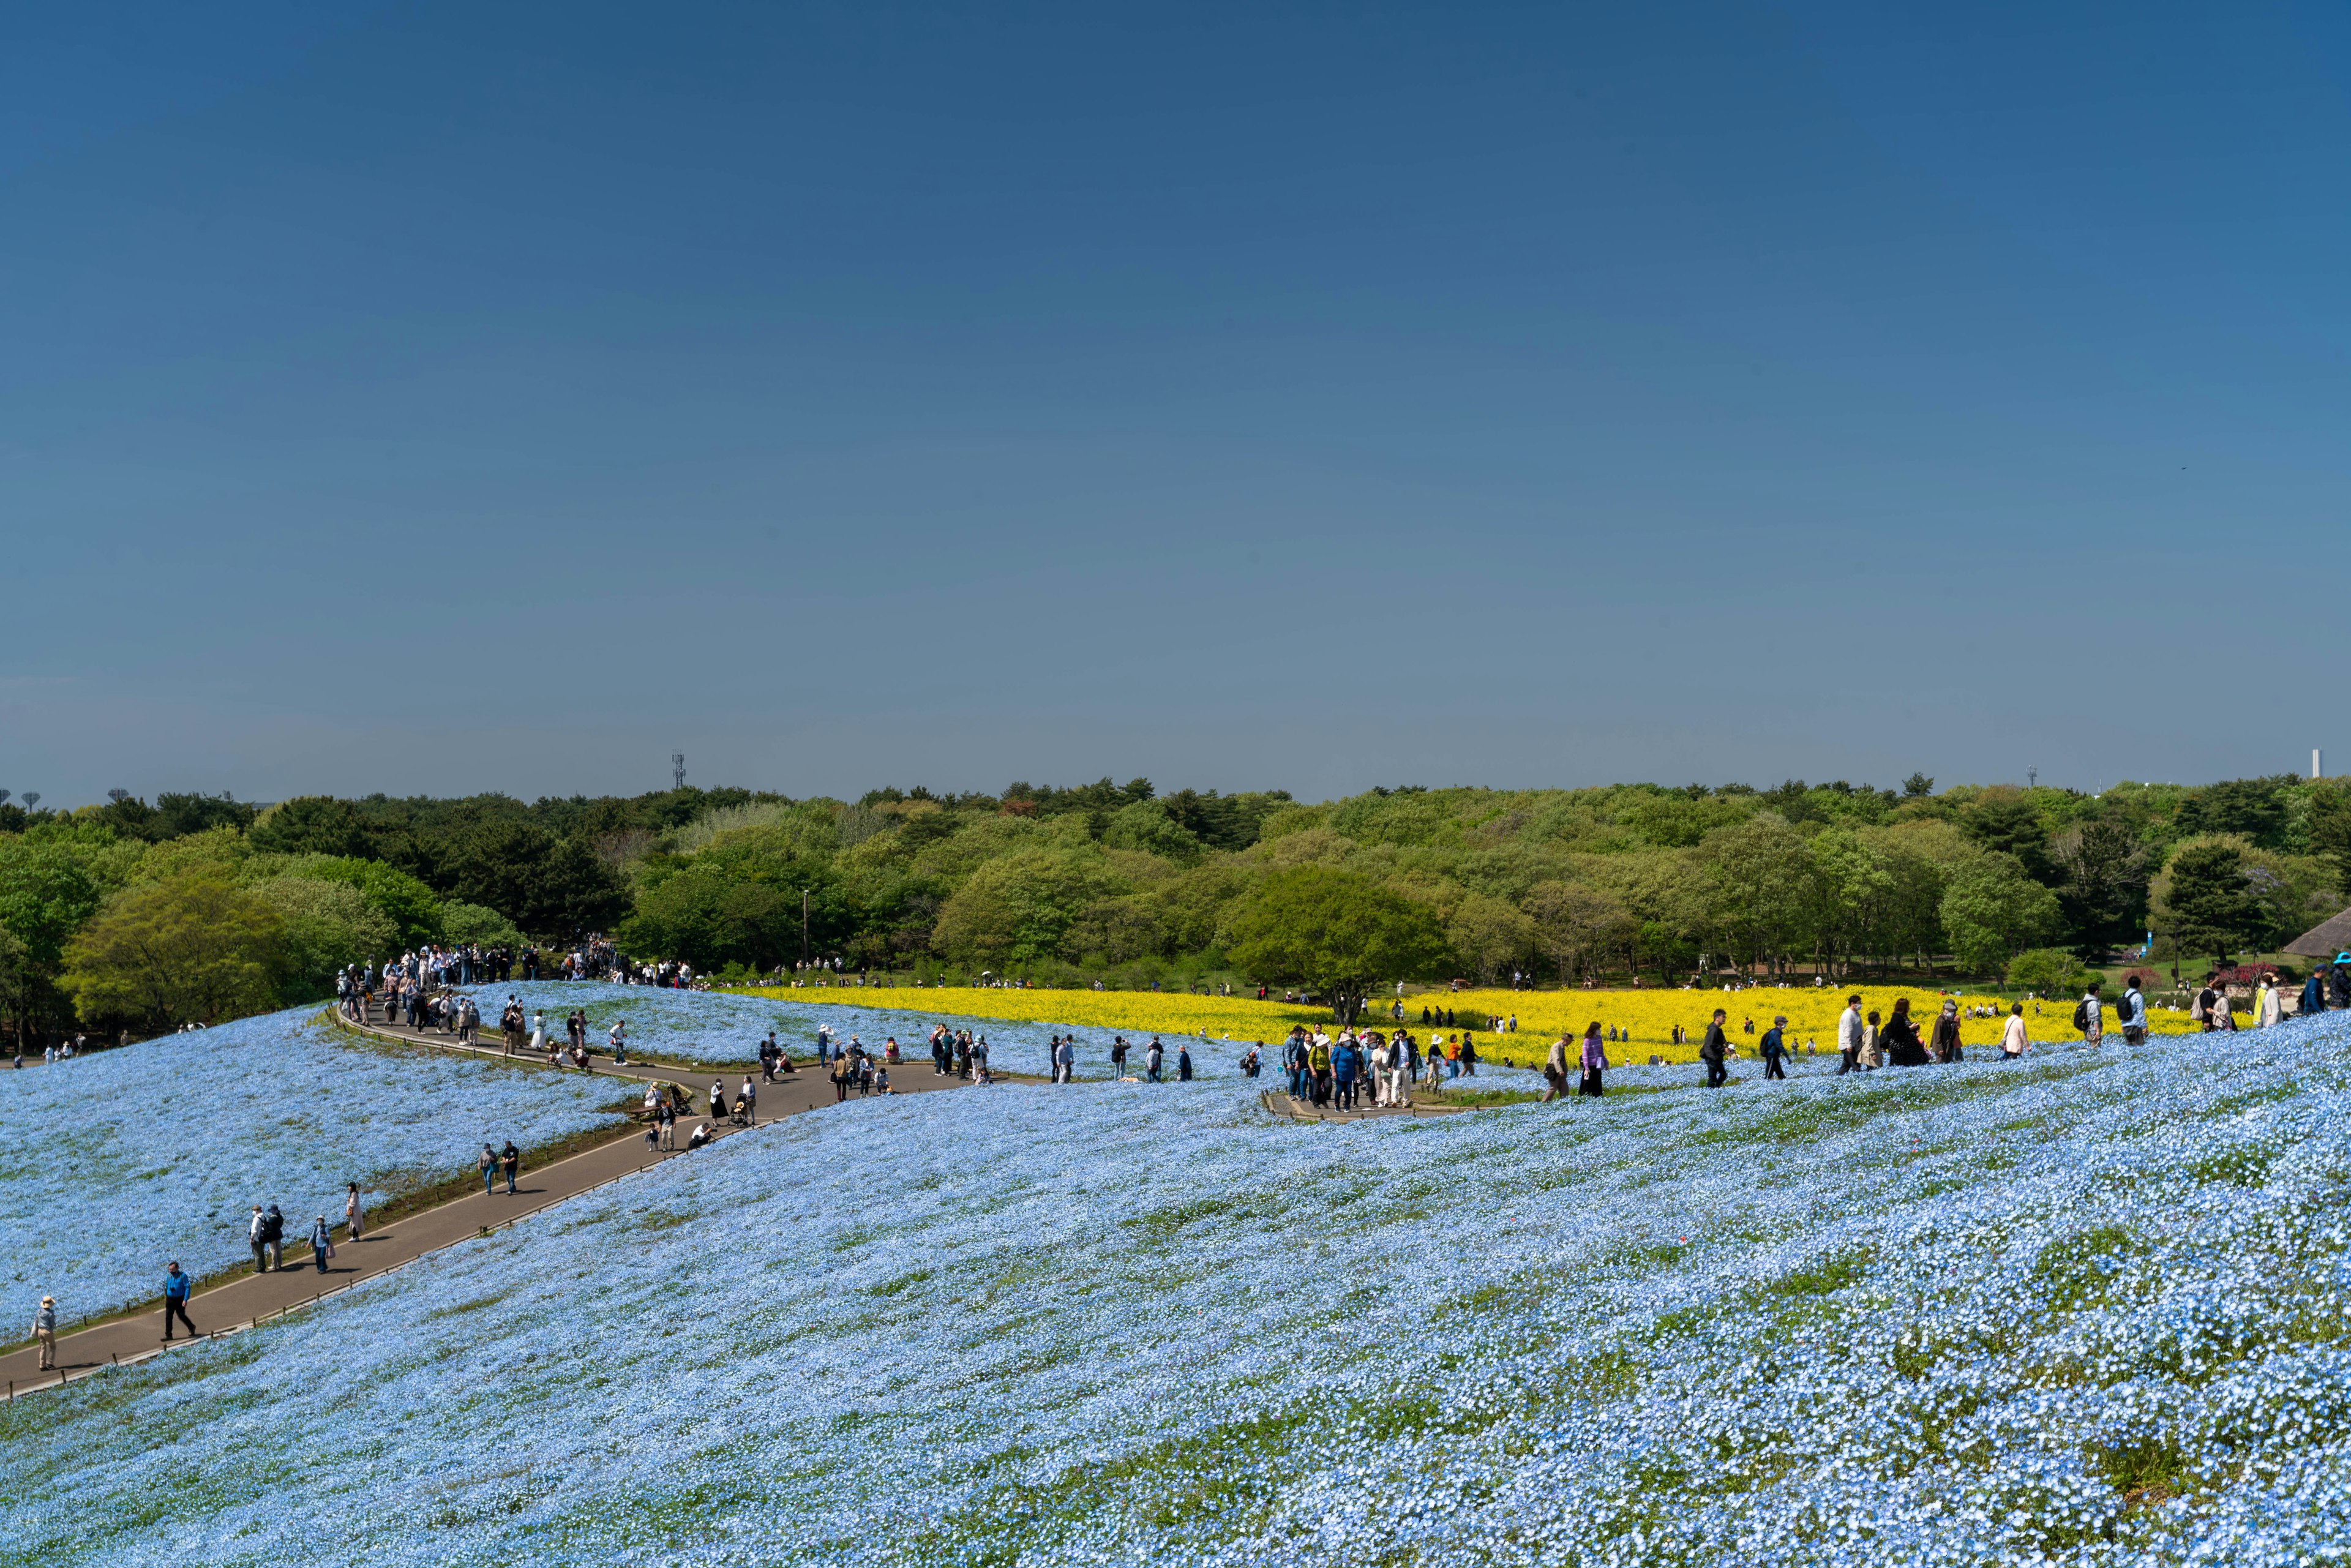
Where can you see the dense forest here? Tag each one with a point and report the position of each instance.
(1123, 883)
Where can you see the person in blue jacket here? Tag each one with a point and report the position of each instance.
(1772, 1048)
(1184, 1062)
(175, 1299)
(2314, 993)
(1346, 1061)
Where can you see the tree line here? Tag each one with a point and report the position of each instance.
(1122, 883)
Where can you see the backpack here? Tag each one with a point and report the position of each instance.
(2081, 1016)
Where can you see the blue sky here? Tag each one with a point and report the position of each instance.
(441, 398)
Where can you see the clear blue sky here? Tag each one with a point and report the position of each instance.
(451, 397)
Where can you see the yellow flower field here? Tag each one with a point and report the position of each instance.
(1648, 1017)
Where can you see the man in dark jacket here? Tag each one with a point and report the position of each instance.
(1773, 1048)
(273, 1237)
(1713, 1050)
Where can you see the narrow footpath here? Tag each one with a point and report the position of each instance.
(244, 1300)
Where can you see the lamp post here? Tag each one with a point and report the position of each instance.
(804, 911)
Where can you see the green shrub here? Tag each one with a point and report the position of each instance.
(2050, 971)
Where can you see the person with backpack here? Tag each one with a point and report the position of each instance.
(1153, 1054)
(1773, 1048)
(2131, 1013)
(273, 1237)
(1712, 1049)
(2090, 1016)
(1555, 1070)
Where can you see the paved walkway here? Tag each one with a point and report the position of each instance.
(247, 1299)
(1281, 1102)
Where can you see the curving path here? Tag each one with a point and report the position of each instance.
(244, 1299)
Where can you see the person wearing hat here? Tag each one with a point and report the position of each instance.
(45, 1329)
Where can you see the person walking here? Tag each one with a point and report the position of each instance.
(1849, 1028)
(1773, 1048)
(175, 1300)
(321, 1243)
(2269, 1008)
(45, 1329)
(273, 1237)
(1184, 1062)
(2013, 1039)
(352, 1215)
(1153, 1054)
(253, 1239)
(1712, 1049)
(1899, 1039)
(750, 1100)
(1944, 1045)
(1555, 1070)
(509, 1163)
(1342, 1072)
(2090, 1016)
(668, 1125)
(489, 1166)
(1321, 1061)
(1594, 1060)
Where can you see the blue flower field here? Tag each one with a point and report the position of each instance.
(122, 1160)
(2089, 1309)
(727, 1026)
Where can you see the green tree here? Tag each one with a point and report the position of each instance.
(546, 885)
(2204, 898)
(2101, 880)
(2047, 972)
(712, 919)
(196, 948)
(1490, 936)
(1577, 925)
(46, 894)
(1335, 932)
(323, 926)
(1147, 826)
(1020, 907)
(463, 922)
(1992, 910)
(407, 903)
(312, 825)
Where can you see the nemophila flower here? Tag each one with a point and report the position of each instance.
(120, 1160)
(2091, 1317)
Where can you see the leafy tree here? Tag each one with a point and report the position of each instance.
(178, 815)
(1577, 924)
(471, 923)
(1336, 932)
(2048, 972)
(1491, 936)
(1761, 877)
(1917, 787)
(1991, 910)
(1147, 826)
(1020, 907)
(1117, 930)
(712, 919)
(2101, 880)
(323, 926)
(2205, 899)
(2329, 830)
(2005, 822)
(46, 894)
(407, 903)
(311, 824)
(2253, 808)
(22, 985)
(196, 948)
(549, 886)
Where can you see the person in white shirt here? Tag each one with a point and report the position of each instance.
(2090, 1016)
(2012, 1042)
(1849, 1035)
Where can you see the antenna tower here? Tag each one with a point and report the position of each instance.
(677, 768)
